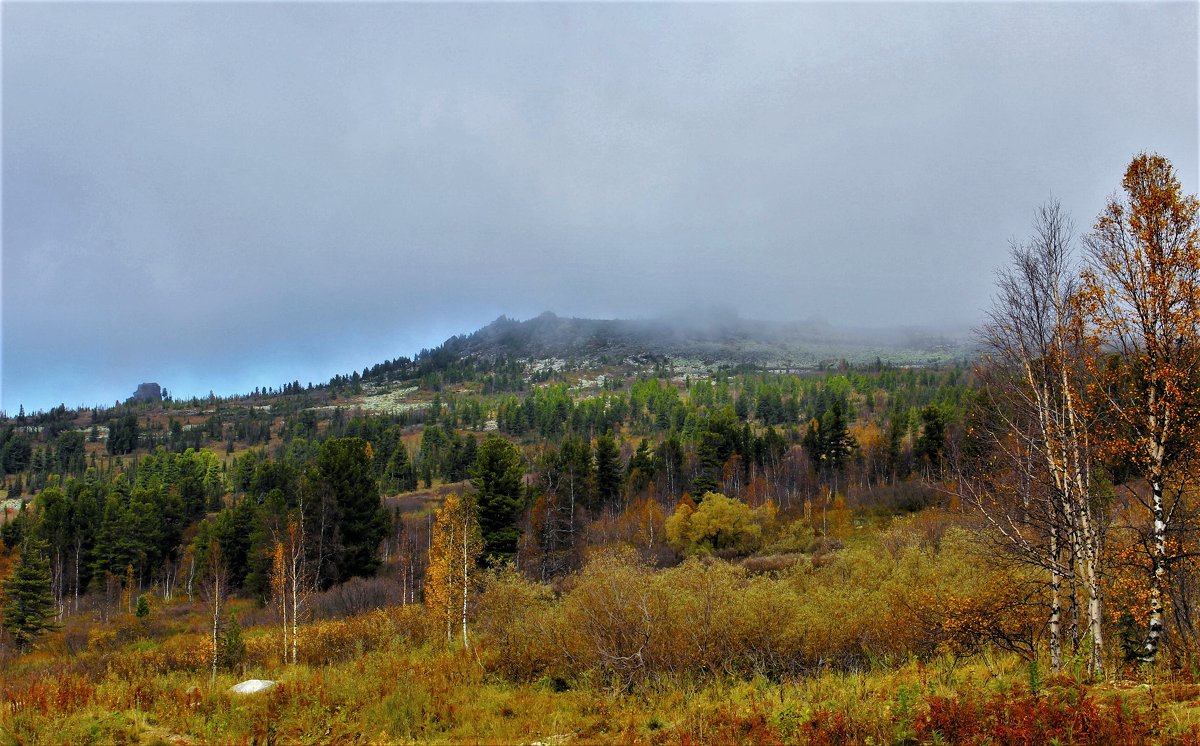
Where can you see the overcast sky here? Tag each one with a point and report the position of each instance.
(225, 196)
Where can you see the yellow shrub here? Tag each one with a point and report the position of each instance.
(512, 625)
(717, 525)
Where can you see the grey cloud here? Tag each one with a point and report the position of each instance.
(232, 195)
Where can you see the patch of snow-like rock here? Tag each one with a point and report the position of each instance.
(251, 686)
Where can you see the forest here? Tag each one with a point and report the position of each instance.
(498, 549)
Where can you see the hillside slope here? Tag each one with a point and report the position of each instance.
(712, 341)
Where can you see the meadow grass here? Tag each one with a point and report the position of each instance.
(399, 692)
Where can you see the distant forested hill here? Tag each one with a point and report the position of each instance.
(721, 340)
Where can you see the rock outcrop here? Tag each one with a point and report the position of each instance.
(148, 393)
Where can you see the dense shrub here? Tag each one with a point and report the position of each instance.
(511, 620)
(718, 525)
(357, 595)
(624, 620)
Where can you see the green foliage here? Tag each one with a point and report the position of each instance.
(231, 647)
(123, 434)
(16, 451)
(828, 440)
(139, 527)
(29, 602)
(343, 475)
(69, 452)
(13, 532)
(143, 606)
(1035, 677)
(931, 444)
(234, 530)
(608, 470)
(497, 481)
(399, 474)
(792, 537)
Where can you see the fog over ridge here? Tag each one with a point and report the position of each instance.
(224, 196)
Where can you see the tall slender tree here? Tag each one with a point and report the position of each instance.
(214, 589)
(1142, 301)
(1033, 481)
(453, 553)
(608, 472)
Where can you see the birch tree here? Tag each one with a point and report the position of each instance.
(214, 589)
(1142, 301)
(1036, 488)
(453, 553)
(291, 584)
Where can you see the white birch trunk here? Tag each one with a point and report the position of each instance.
(465, 557)
(216, 629)
(1055, 623)
(1159, 574)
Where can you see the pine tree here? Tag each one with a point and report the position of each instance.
(399, 473)
(232, 646)
(497, 481)
(344, 472)
(29, 607)
(931, 444)
(608, 471)
(836, 443)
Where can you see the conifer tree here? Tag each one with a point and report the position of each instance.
(232, 646)
(344, 475)
(399, 473)
(29, 601)
(608, 471)
(497, 481)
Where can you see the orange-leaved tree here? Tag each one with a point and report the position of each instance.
(1142, 301)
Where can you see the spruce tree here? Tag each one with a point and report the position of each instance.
(232, 646)
(608, 471)
(836, 443)
(344, 472)
(399, 473)
(29, 601)
(497, 481)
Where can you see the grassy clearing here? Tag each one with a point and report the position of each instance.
(821, 652)
(387, 687)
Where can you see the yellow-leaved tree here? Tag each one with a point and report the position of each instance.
(290, 584)
(453, 553)
(718, 525)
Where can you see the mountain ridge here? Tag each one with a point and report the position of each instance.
(723, 339)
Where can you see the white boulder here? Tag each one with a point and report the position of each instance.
(251, 686)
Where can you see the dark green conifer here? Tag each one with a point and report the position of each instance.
(29, 602)
(497, 479)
